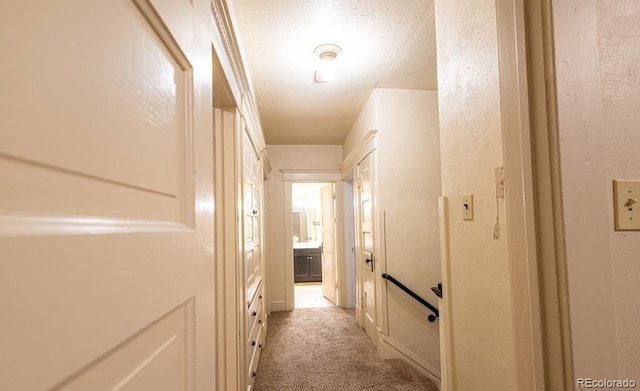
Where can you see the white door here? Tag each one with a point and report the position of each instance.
(252, 246)
(366, 257)
(327, 206)
(106, 189)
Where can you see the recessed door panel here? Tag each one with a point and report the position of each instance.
(154, 359)
(102, 111)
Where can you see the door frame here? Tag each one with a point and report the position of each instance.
(537, 259)
(233, 96)
(349, 217)
(363, 148)
(312, 176)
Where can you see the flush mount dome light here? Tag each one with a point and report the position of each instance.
(327, 53)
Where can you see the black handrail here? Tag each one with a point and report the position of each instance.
(431, 317)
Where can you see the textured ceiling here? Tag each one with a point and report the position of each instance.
(385, 44)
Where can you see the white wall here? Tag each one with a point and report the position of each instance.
(587, 226)
(288, 157)
(408, 187)
(619, 51)
(365, 121)
(598, 95)
(471, 146)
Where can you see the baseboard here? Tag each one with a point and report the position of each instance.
(277, 306)
(393, 349)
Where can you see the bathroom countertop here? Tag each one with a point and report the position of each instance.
(300, 245)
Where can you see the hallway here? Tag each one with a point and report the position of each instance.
(487, 149)
(323, 349)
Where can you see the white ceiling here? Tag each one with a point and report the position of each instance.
(385, 44)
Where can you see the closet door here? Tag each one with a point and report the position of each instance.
(365, 243)
(252, 178)
(254, 331)
(105, 152)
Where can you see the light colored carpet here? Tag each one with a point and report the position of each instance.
(322, 349)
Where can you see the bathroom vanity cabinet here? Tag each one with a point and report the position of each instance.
(307, 264)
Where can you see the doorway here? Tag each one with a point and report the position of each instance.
(331, 245)
(313, 225)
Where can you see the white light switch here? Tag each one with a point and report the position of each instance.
(626, 205)
(467, 207)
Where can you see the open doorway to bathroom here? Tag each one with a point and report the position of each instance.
(314, 232)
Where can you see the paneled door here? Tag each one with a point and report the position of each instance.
(327, 206)
(366, 245)
(254, 332)
(106, 196)
(252, 178)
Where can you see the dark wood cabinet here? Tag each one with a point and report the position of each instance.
(307, 265)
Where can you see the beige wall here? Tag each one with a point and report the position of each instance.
(598, 95)
(288, 157)
(408, 187)
(365, 121)
(585, 188)
(619, 51)
(470, 139)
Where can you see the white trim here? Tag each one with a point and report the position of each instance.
(381, 234)
(226, 194)
(278, 306)
(266, 162)
(288, 177)
(445, 304)
(231, 67)
(520, 199)
(393, 349)
(252, 126)
(26, 225)
(289, 292)
(359, 152)
(534, 220)
(311, 175)
(341, 261)
(228, 47)
(377, 275)
(222, 49)
(348, 243)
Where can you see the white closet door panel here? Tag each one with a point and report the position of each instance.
(105, 152)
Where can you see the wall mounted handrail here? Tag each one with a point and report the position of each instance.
(431, 317)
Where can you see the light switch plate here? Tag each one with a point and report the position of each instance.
(467, 207)
(626, 205)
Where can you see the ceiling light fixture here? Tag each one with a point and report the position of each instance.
(327, 53)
